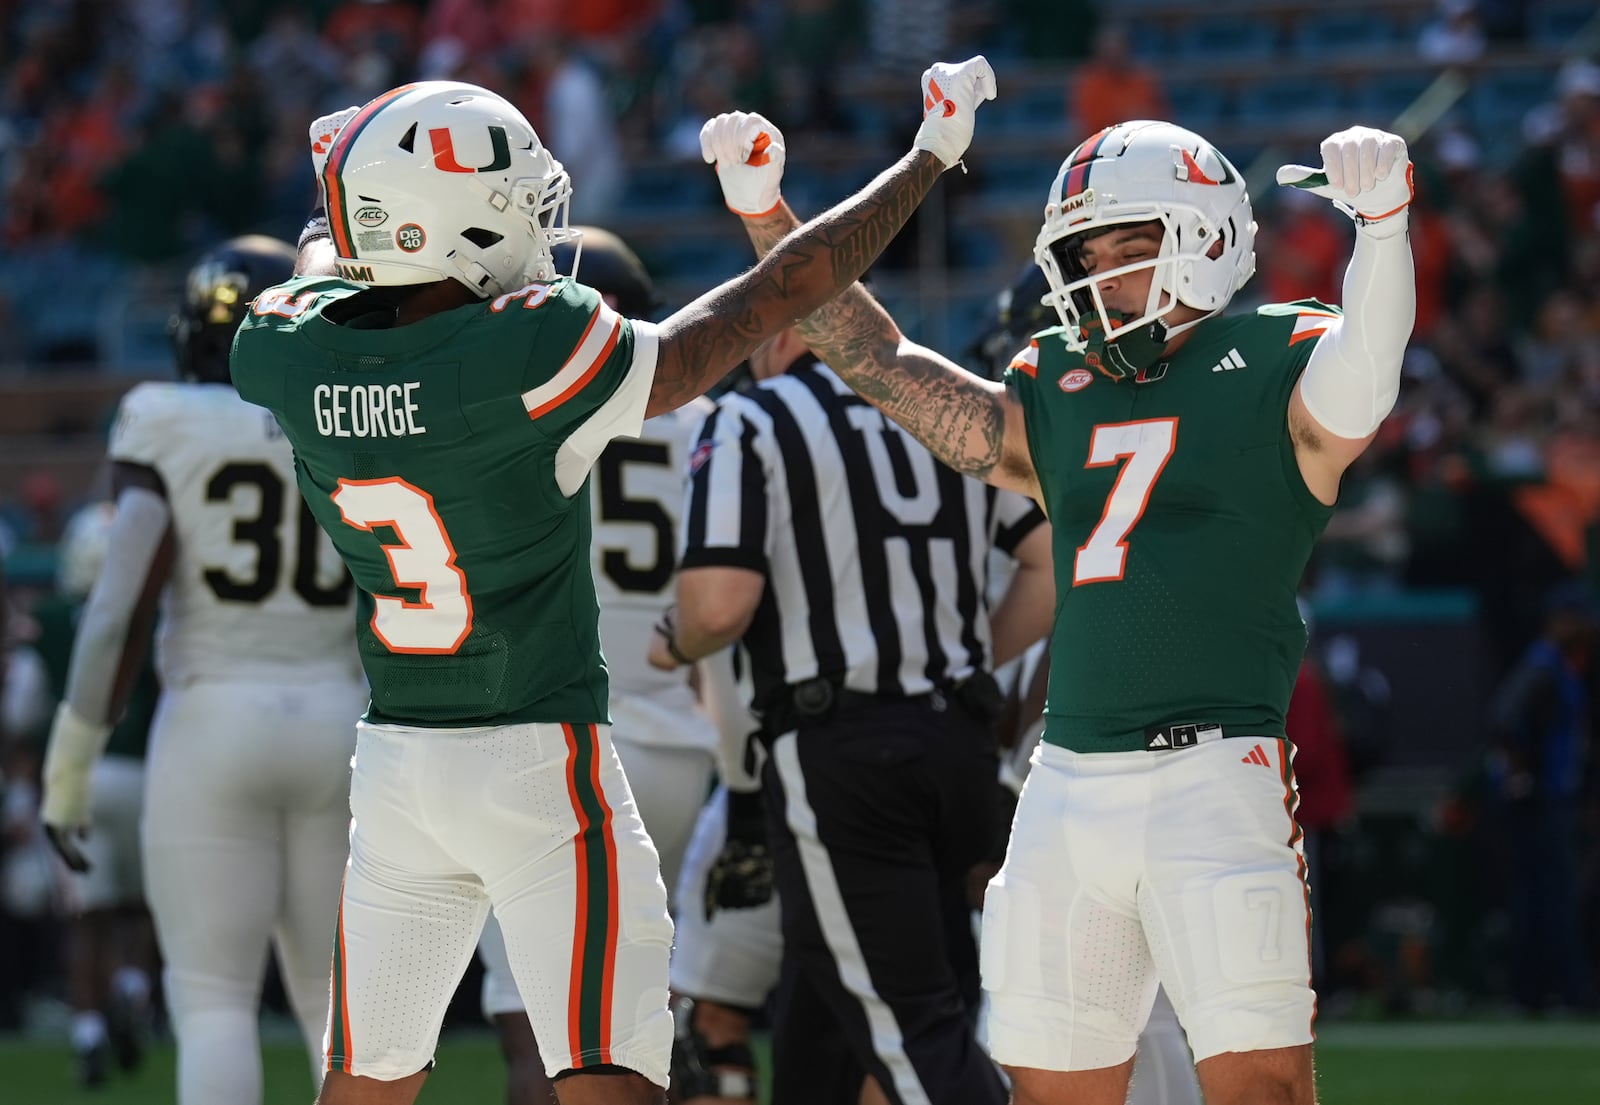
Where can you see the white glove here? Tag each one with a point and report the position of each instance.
(74, 746)
(1367, 175)
(748, 152)
(950, 98)
(323, 131)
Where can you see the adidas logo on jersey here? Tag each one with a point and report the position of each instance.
(1229, 363)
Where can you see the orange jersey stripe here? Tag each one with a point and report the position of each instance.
(599, 339)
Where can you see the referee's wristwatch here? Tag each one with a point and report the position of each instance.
(668, 628)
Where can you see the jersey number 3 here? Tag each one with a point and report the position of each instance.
(1147, 446)
(421, 559)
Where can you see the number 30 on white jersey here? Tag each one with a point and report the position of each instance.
(256, 583)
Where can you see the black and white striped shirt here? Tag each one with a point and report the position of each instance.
(876, 554)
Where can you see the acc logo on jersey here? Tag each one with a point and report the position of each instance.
(372, 216)
(1076, 380)
(701, 454)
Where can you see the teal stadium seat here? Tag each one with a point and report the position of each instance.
(667, 189)
(1200, 105)
(1229, 38)
(1554, 23)
(1301, 101)
(1150, 42)
(1023, 178)
(1500, 100)
(1343, 33)
(1381, 97)
(702, 261)
(1039, 109)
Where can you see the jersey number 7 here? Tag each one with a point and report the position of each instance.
(421, 559)
(1148, 446)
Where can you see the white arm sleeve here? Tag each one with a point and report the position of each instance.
(142, 521)
(1350, 383)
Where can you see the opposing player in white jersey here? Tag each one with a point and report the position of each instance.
(661, 735)
(245, 827)
(110, 951)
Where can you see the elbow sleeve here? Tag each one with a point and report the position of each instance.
(1353, 377)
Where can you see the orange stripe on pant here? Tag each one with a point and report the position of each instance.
(339, 1007)
(595, 921)
(1291, 802)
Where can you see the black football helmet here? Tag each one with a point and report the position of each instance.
(606, 264)
(1018, 313)
(219, 290)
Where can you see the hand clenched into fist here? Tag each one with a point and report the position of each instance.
(748, 152)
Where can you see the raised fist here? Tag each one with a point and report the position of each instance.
(951, 94)
(748, 152)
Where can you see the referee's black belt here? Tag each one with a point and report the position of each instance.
(824, 699)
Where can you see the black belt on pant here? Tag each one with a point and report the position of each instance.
(822, 699)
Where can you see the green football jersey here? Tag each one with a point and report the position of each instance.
(448, 460)
(1181, 526)
(58, 630)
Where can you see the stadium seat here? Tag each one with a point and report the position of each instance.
(1335, 33)
(703, 261)
(1199, 105)
(1289, 100)
(1149, 41)
(1226, 39)
(1502, 99)
(666, 188)
(1555, 23)
(1021, 177)
(1378, 99)
(976, 247)
(1038, 109)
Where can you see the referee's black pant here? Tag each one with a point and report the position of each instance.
(876, 816)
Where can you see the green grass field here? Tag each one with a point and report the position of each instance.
(1525, 1063)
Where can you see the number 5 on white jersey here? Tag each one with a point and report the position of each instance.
(423, 559)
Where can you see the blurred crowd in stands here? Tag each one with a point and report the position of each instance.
(135, 132)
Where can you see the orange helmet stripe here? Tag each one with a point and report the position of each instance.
(332, 189)
(1078, 176)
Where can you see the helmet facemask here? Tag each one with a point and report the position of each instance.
(545, 202)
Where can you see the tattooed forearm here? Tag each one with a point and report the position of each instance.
(959, 418)
(810, 266)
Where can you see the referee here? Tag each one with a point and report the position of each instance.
(853, 568)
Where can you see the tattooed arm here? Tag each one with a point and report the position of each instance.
(700, 343)
(972, 424)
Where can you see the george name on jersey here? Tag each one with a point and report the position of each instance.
(367, 410)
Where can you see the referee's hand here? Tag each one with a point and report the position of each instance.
(741, 875)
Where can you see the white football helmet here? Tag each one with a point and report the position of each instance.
(441, 179)
(85, 544)
(1144, 171)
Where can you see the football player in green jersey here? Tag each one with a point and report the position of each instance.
(1187, 459)
(446, 395)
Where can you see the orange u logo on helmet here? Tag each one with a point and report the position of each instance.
(444, 151)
